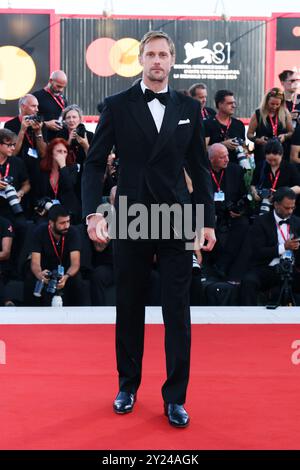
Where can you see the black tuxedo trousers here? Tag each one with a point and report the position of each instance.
(133, 263)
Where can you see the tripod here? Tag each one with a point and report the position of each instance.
(286, 296)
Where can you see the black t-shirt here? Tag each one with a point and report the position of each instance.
(48, 106)
(289, 175)
(217, 132)
(19, 173)
(6, 230)
(41, 243)
(49, 109)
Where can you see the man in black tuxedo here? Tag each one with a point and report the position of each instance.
(274, 236)
(155, 130)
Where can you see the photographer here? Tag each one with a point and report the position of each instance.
(52, 101)
(30, 142)
(59, 176)
(274, 237)
(14, 182)
(55, 244)
(273, 173)
(271, 119)
(230, 198)
(223, 127)
(290, 82)
(198, 91)
(78, 138)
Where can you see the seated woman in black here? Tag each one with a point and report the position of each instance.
(78, 138)
(273, 173)
(59, 175)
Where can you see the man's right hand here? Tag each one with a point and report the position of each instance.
(25, 123)
(54, 125)
(230, 144)
(292, 244)
(97, 228)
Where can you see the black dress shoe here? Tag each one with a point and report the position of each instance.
(124, 402)
(177, 415)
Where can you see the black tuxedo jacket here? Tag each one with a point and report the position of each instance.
(150, 163)
(265, 239)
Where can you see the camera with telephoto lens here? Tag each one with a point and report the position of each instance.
(241, 155)
(81, 130)
(11, 195)
(44, 204)
(34, 117)
(240, 206)
(53, 277)
(266, 205)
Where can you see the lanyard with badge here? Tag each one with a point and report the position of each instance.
(287, 237)
(32, 152)
(58, 99)
(204, 113)
(61, 254)
(54, 185)
(274, 179)
(6, 171)
(2, 191)
(224, 134)
(274, 125)
(219, 196)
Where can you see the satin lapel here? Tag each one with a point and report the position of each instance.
(169, 124)
(141, 113)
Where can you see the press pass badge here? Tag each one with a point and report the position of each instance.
(32, 153)
(219, 196)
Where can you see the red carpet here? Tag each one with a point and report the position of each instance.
(59, 382)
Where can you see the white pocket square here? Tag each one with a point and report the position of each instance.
(184, 121)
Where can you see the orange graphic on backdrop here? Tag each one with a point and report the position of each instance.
(105, 57)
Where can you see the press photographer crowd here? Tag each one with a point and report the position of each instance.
(46, 257)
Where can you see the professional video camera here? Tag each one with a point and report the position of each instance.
(11, 195)
(34, 117)
(285, 270)
(53, 277)
(285, 265)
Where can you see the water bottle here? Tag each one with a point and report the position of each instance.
(56, 301)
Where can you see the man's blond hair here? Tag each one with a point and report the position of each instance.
(156, 35)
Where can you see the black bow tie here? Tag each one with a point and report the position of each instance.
(286, 221)
(162, 97)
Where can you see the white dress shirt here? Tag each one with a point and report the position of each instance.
(282, 235)
(157, 109)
